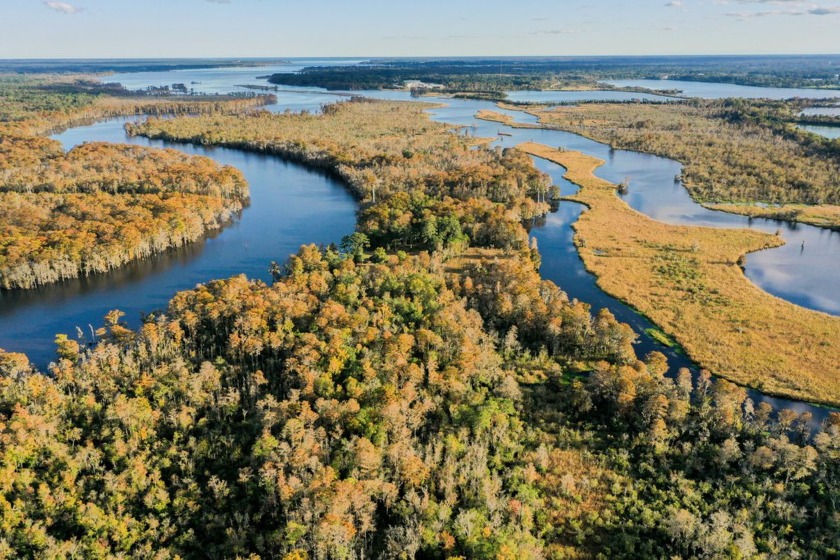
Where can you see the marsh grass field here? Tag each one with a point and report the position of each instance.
(824, 215)
(688, 281)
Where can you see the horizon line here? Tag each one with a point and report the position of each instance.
(410, 57)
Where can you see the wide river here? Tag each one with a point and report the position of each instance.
(715, 90)
(292, 205)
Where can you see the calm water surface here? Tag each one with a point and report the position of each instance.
(809, 277)
(830, 111)
(290, 206)
(220, 80)
(561, 264)
(827, 131)
(711, 90)
(573, 96)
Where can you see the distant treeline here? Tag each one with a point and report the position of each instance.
(496, 74)
(99, 66)
(455, 78)
(819, 120)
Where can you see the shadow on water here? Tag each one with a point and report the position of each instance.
(11, 301)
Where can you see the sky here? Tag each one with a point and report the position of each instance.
(367, 28)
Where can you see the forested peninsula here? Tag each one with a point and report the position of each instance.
(492, 77)
(377, 148)
(99, 206)
(391, 150)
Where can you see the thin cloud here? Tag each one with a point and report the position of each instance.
(556, 32)
(62, 7)
(677, 5)
(825, 11)
(743, 16)
(765, 2)
(800, 10)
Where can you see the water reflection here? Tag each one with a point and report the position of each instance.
(712, 90)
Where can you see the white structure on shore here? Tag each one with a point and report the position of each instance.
(417, 84)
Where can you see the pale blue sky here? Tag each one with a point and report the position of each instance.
(284, 28)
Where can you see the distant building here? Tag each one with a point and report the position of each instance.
(417, 84)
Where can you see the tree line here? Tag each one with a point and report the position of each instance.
(389, 410)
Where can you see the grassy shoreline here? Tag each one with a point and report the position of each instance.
(672, 259)
(825, 215)
(687, 281)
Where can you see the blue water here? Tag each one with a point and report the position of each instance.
(810, 277)
(219, 80)
(712, 90)
(574, 96)
(827, 131)
(829, 111)
(291, 205)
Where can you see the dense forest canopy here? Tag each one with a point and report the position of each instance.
(378, 148)
(372, 410)
(420, 392)
(429, 189)
(99, 206)
(500, 74)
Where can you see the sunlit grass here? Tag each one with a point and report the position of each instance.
(824, 215)
(687, 280)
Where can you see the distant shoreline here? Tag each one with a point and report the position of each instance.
(111, 66)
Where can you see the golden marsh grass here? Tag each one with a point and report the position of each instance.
(686, 280)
